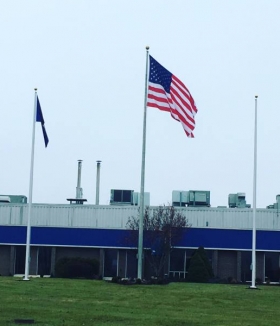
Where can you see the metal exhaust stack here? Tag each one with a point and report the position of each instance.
(97, 182)
(79, 190)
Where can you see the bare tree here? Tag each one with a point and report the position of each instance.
(163, 228)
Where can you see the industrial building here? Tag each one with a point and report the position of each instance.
(97, 231)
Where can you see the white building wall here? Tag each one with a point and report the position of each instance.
(92, 216)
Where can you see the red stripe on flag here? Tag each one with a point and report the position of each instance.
(156, 89)
(155, 105)
(186, 112)
(187, 100)
(185, 91)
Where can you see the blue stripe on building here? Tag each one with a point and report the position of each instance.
(192, 238)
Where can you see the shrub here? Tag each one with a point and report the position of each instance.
(200, 269)
(116, 279)
(206, 261)
(125, 281)
(232, 280)
(76, 267)
(197, 271)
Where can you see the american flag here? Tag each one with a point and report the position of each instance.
(167, 93)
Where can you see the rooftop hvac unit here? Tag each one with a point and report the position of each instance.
(17, 199)
(121, 197)
(275, 205)
(180, 198)
(136, 198)
(191, 198)
(199, 198)
(237, 200)
(5, 199)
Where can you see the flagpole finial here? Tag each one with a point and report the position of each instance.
(35, 89)
(147, 47)
(256, 96)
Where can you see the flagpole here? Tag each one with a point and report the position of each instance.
(28, 232)
(253, 286)
(141, 217)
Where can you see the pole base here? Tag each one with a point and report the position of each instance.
(25, 279)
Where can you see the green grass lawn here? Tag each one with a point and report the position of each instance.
(51, 301)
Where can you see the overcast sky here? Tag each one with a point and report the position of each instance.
(87, 59)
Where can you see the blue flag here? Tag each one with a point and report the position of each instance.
(40, 118)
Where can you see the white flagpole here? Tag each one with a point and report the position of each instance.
(28, 232)
(141, 217)
(253, 286)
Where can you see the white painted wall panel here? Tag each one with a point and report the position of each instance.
(91, 216)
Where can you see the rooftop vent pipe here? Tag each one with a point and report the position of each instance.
(79, 190)
(97, 182)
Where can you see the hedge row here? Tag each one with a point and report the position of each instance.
(76, 268)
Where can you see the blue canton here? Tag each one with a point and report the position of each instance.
(159, 75)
